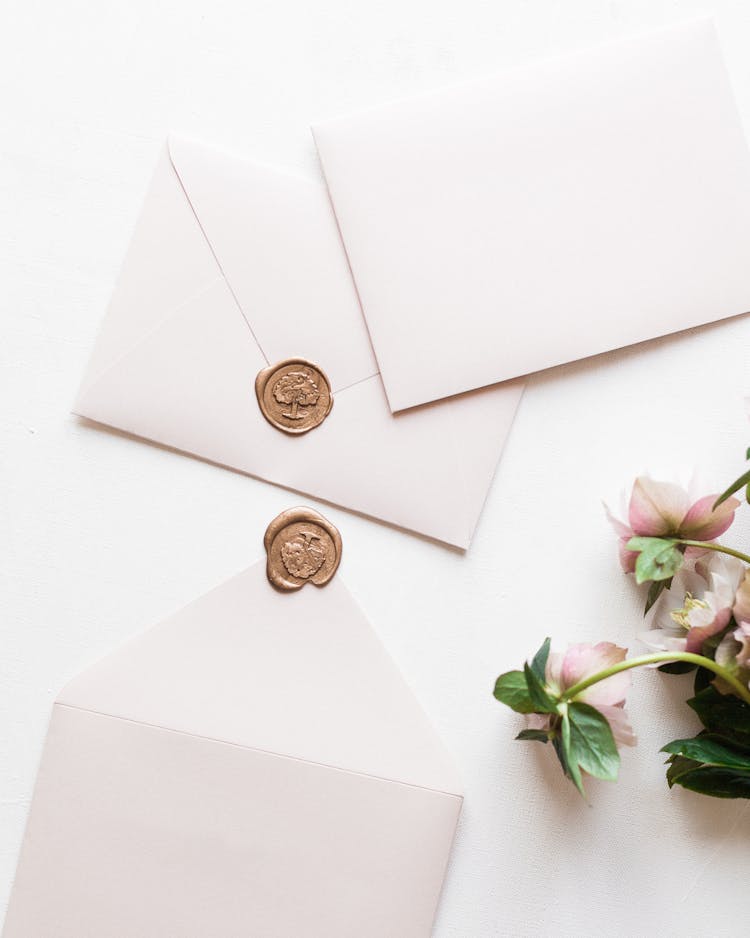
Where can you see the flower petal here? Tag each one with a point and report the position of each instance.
(698, 635)
(581, 661)
(619, 724)
(742, 600)
(656, 508)
(663, 640)
(702, 523)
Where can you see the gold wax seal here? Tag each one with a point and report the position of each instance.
(302, 547)
(294, 395)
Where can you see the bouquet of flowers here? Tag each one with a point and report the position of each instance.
(697, 611)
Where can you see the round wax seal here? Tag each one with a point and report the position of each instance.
(294, 395)
(302, 547)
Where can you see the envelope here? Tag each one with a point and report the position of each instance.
(234, 266)
(543, 215)
(254, 765)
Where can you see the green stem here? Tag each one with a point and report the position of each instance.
(658, 658)
(711, 545)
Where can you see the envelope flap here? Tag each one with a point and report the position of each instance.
(275, 238)
(301, 675)
(559, 210)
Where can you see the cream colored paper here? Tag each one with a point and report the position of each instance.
(255, 765)
(234, 266)
(543, 215)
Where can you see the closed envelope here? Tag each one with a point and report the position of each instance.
(253, 766)
(556, 211)
(234, 266)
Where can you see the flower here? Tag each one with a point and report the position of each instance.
(733, 652)
(666, 509)
(697, 606)
(741, 608)
(607, 696)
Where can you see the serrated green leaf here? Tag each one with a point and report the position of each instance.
(658, 558)
(512, 690)
(678, 766)
(540, 736)
(540, 699)
(708, 749)
(573, 772)
(723, 714)
(592, 745)
(539, 661)
(716, 782)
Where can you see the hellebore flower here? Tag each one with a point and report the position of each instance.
(579, 662)
(733, 652)
(667, 510)
(697, 606)
(741, 608)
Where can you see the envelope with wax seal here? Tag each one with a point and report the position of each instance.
(254, 765)
(235, 267)
(546, 214)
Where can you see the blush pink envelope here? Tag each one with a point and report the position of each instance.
(255, 765)
(546, 214)
(234, 266)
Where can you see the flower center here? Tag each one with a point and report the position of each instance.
(682, 616)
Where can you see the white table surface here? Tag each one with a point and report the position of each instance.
(101, 536)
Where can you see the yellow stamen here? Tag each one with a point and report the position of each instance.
(680, 616)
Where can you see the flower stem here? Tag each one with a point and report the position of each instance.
(657, 658)
(711, 545)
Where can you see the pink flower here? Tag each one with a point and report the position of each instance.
(665, 509)
(733, 652)
(608, 696)
(697, 605)
(741, 608)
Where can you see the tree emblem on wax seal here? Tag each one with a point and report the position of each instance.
(302, 547)
(294, 395)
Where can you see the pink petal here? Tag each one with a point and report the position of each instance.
(621, 529)
(620, 725)
(701, 523)
(742, 600)
(627, 557)
(656, 508)
(696, 637)
(582, 661)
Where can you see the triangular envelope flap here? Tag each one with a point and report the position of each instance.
(546, 214)
(188, 386)
(301, 675)
(275, 238)
(167, 264)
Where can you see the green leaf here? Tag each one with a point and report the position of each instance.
(658, 558)
(568, 760)
(710, 750)
(539, 661)
(592, 745)
(723, 714)
(540, 699)
(655, 591)
(716, 782)
(540, 736)
(744, 480)
(678, 765)
(512, 690)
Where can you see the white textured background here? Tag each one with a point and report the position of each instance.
(101, 536)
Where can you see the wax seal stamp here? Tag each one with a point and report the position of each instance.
(294, 395)
(302, 547)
